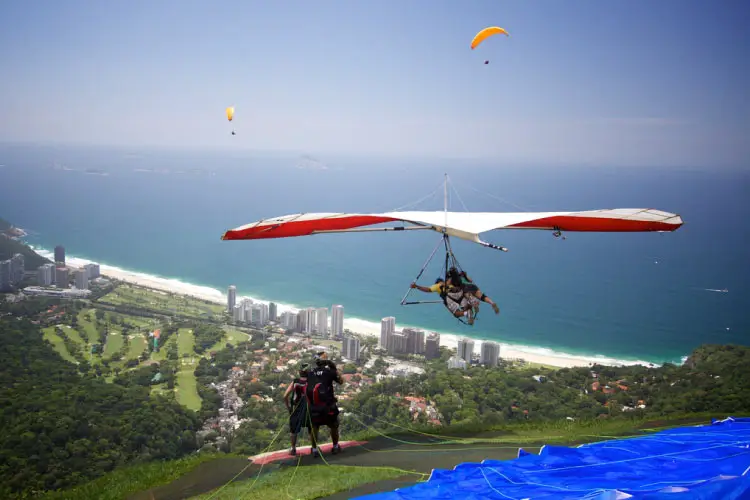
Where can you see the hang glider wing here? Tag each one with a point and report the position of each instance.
(464, 225)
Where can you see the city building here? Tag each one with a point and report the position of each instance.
(337, 321)
(5, 275)
(273, 311)
(414, 340)
(81, 279)
(387, 329)
(60, 255)
(258, 315)
(45, 275)
(51, 292)
(238, 313)
(350, 348)
(306, 320)
(288, 320)
(490, 353)
(397, 344)
(456, 362)
(432, 346)
(92, 270)
(465, 349)
(62, 277)
(231, 298)
(321, 321)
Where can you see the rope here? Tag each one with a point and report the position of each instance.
(424, 198)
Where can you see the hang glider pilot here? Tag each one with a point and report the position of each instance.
(460, 295)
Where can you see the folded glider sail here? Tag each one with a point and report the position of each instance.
(464, 225)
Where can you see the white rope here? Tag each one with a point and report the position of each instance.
(424, 198)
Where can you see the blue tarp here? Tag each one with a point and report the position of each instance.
(697, 462)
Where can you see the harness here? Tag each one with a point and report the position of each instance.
(450, 261)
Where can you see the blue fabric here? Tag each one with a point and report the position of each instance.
(700, 462)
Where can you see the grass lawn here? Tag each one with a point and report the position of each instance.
(161, 301)
(57, 344)
(302, 483)
(186, 388)
(87, 327)
(113, 345)
(138, 344)
(162, 354)
(185, 342)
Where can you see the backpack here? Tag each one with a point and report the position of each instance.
(319, 390)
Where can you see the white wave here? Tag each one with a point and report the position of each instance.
(532, 354)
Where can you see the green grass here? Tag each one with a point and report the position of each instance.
(138, 344)
(161, 301)
(121, 483)
(186, 389)
(57, 344)
(303, 483)
(185, 342)
(163, 348)
(114, 344)
(87, 327)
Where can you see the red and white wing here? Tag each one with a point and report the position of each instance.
(465, 225)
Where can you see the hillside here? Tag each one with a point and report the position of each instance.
(9, 247)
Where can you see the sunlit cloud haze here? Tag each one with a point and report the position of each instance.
(636, 83)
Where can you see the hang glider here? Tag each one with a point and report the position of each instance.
(465, 225)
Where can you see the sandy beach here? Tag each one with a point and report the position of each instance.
(356, 325)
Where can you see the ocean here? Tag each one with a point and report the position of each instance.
(640, 296)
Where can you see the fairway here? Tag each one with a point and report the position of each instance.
(137, 346)
(113, 345)
(168, 303)
(187, 388)
(57, 344)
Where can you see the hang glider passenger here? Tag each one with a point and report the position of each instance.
(473, 293)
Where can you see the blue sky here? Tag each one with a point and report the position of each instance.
(589, 82)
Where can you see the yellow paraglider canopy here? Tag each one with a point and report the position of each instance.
(230, 113)
(486, 33)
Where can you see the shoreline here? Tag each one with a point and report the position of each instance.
(532, 354)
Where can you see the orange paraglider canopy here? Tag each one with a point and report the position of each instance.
(486, 33)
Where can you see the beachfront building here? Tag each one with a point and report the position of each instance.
(490, 353)
(92, 270)
(337, 321)
(321, 321)
(288, 320)
(62, 277)
(60, 255)
(432, 346)
(456, 362)
(45, 275)
(258, 315)
(387, 329)
(414, 340)
(350, 348)
(397, 344)
(81, 279)
(306, 320)
(273, 311)
(231, 298)
(465, 349)
(238, 313)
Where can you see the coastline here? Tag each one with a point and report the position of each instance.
(530, 354)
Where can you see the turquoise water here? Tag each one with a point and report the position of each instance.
(589, 294)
